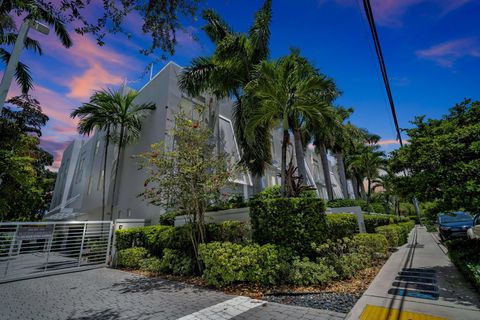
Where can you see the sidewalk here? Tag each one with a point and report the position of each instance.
(418, 282)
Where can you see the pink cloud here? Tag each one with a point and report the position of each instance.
(446, 53)
(55, 146)
(390, 142)
(94, 78)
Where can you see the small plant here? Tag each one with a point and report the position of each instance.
(305, 272)
(152, 264)
(131, 258)
(175, 262)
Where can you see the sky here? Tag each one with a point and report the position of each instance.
(431, 50)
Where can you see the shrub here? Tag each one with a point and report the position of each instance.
(340, 225)
(168, 219)
(376, 207)
(229, 231)
(305, 272)
(465, 254)
(396, 234)
(272, 192)
(226, 263)
(289, 222)
(152, 264)
(338, 203)
(375, 245)
(407, 209)
(176, 262)
(377, 220)
(228, 201)
(131, 258)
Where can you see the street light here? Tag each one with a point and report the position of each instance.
(15, 56)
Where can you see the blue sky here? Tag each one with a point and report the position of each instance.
(431, 49)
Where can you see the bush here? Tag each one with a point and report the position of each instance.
(465, 254)
(131, 258)
(339, 203)
(176, 262)
(168, 219)
(407, 209)
(376, 207)
(229, 231)
(226, 263)
(289, 222)
(396, 234)
(340, 225)
(152, 264)
(272, 192)
(349, 255)
(305, 272)
(228, 201)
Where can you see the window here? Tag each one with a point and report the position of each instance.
(129, 212)
(101, 176)
(90, 184)
(97, 145)
(80, 170)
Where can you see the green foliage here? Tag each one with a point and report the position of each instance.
(373, 244)
(376, 207)
(442, 159)
(176, 262)
(272, 192)
(304, 272)
(227, 201)
(168, 219)
(340, 225)
(227, 263)
(289, 222)
(131, 258)
(152, 264)
(465, 254)
(396, 234)
(407, 209)
(229, 231)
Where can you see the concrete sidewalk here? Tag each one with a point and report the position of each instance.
(418, 282)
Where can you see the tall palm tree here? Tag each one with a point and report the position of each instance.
(289, 98)
(97, 114)
(8, 34)
(227, 72)
(126, 125)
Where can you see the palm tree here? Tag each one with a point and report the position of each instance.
(227, 72)
(8, 34)
(289, 96)
(126, 126)
(97, 114)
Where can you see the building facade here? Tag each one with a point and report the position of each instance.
(79, 185)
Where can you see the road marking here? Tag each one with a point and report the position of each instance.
(380, 313)
(225, 310)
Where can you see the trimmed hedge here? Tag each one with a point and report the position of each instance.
(227, 263)
(465, 254)
(229, 231)
(396, 234)
(289, 222)
(340, 225)
(131, 258)
(338, 203)
(305, 272)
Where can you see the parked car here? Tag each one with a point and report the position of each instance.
(454, 224)
(474, 231)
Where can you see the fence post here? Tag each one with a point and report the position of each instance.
(107, 256)
(81, 246)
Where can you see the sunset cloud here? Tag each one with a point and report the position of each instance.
(446, 53)
(388, 142)
(55, 147)
(94, 78)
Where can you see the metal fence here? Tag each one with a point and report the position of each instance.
(29, 249)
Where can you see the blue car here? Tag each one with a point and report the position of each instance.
(454, 224)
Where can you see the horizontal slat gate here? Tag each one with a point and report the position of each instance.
(30, 249)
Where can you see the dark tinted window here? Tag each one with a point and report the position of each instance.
(455, 217)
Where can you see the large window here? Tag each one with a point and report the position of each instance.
(80, 169)
(101, 176)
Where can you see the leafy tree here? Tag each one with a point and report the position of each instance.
(227, 72)
(188, 177)
(290, 93)
(441, 161)
(25, 182)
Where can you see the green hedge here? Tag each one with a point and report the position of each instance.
(340, 225)
(131, 258)
(229, 231)
(227, 263)
(304, 272)
(465, 254)
(338, 203)
(289, 222)
(396, 234)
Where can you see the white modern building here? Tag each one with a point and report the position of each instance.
(78, 188)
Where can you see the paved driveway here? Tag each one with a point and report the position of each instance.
(107, 294)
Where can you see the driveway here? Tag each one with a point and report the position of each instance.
(108, 294)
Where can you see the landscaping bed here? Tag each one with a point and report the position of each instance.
(465, 254)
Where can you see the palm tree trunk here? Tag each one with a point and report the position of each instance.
(342, 174)
(369, 190)
(361, 187)
(283, 173)
(300, 156)
(326, 171)
(257, 183)
(107, 143)
(356, 192)
(117, 165)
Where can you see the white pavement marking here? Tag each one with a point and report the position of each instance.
(225, 310)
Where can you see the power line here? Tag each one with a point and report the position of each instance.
(383, 68)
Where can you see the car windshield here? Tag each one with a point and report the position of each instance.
(455, 217)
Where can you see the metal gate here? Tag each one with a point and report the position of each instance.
(30, 249)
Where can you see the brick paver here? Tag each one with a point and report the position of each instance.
(108, 294)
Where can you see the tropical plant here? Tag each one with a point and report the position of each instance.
(32, 11)
(292, 96)
(227, 72)
(115, 113)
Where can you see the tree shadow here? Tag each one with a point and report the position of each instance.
(460, 291)
(107, 314)
(147, 285)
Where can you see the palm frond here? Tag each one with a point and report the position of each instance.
(22, 72)
(216, 28)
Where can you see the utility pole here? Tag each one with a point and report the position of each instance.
(15, 56)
